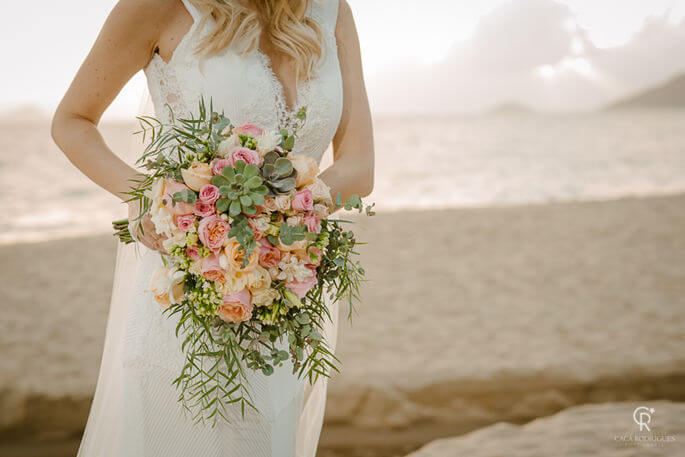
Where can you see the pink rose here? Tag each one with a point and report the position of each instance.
(219, 164)
(312, 222)
(269, 255)
(203, 209)
(303, 200)
(249, 129)
(213, 232)
(236, 307)
(185, 222)
(300, 288)
(209, 194)
(244, 154)
(170, 189)
(211, 268)
(193, 252)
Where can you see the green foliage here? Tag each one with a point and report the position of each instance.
(185, 195)
(241, 188)
(291, 233)
(218, 353)
(278, 173)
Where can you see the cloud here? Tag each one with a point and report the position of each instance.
(533, 52)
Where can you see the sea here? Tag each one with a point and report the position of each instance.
(422, 163)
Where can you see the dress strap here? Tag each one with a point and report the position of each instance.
(192, 9)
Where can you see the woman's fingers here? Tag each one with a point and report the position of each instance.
(149, 236)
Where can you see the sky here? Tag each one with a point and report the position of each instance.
(453, 56)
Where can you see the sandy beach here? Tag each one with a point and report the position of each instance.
(470, 317)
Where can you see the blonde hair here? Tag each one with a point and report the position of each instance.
(284, 21)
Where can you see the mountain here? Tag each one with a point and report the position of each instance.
(668, 95)
(24, 114)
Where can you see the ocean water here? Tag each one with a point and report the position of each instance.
(421, 163)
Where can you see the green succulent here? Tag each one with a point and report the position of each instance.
(241, 188)
(278, 173)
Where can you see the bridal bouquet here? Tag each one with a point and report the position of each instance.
(250, 253)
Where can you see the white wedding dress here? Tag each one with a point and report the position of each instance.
(135, 412)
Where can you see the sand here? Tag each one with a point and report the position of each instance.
(471, 317)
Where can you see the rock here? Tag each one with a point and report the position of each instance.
(606, 430)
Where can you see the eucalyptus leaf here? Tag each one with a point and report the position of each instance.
(185, 196)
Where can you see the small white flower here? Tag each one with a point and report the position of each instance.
(293, 269)
(178, 239)
(268, 141)
(163, 220)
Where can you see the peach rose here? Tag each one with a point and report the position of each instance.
(197, 175)
(303, 200)
(269, 255)
(306, 168)
(270, 203)
(234, 255)
(177, 208)
(166, 286)
(237, 307)
(213, 231)
(249, 129)
(211, 268)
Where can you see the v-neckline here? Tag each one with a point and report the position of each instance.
(267, 65)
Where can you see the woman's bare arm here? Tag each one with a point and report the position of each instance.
(353, 167)
(124, 46)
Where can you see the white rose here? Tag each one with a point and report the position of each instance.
(320, 191)
(178, 239)
(258, 278)
(264, 297)
(268, 141)
(228, 144)
(262, 223)
(282, 202)
(321, 210)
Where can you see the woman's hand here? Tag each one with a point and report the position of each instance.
(143, 229)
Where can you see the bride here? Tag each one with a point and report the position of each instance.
(258, 61)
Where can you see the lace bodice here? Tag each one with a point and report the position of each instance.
(245, 88)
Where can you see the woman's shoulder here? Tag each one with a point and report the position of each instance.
(326, 11)
(147, 12)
